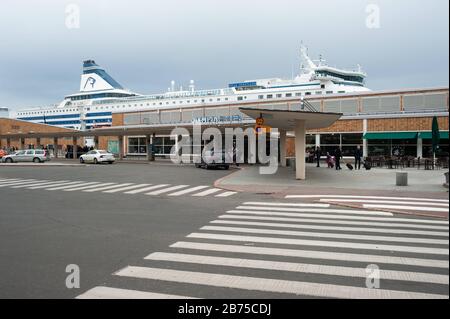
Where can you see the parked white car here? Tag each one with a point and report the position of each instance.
(97, 156)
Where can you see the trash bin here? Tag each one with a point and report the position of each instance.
(291, 163)
(402, 179)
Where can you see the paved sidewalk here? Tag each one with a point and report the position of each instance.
(373, 180)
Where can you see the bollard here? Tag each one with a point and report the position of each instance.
(446, 180)
(402, 179)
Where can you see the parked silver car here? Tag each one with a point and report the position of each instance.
(36, 156)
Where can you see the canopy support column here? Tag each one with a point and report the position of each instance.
(300, 144)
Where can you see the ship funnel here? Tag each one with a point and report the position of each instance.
(95, 78)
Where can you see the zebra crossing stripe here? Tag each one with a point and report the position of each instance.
(52, 185)
(287, 204)
(141, 190)
(18, 182)
(70, 185)
(335, 222)
(116, 293)
(370, 197)
(297, 267)
(9, 180)
(312, 254)
(49, 183)
(87, 186)
(411, 221)
(316, 210)
(121, 189)
(327, 235)
(187, 191)
(381, 202)
(106, 187)
(322, 243)
(207, 192)
(336, 228)
(166, 190)
(402, 207)
(270, 285)
(225, 194)
(29, 183)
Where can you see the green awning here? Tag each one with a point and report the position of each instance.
(427, 135)
(390, 135)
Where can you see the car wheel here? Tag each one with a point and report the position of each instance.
(227, 167)
(95, 161)
(9, 160)
(36, 160)
(81, 160)
(110, 162)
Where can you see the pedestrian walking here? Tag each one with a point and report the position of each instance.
(338, 156)
(318, 154)
(358, 154)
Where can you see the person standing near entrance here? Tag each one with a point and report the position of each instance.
(358, 154)
(318, 154)
(338, 155)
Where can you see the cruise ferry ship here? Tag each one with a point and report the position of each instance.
(100, 95)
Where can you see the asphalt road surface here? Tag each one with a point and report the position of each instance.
(164, 231)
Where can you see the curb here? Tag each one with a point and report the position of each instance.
(217, 182)
(40, 165)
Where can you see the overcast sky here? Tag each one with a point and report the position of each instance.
(146, 44)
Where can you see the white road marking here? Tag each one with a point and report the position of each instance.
(141, 190)
(86, 186)
(381, 202)
(416, 208)
(121, 189)
(271, 285)
(106, 187)
(70, 185)
(369, 197)
(225, 194)
(319, 216)
(166, 190)
(49, 183)
(53, 185)
(336, 228)
(312, 254)
(326, 235)
(321, 243)
(297, 267)
(29, 181)
(116, 293)
(316, 210)
(9, 180)
(187, 191)
(286, 204)
(335, 222)
(207, 192)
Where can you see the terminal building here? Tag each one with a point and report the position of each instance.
(383, 123)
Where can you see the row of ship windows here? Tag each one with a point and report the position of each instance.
(47, 112)
(239, 98)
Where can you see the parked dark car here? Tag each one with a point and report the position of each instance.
(211, 159)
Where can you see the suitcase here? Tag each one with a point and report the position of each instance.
(349, 166)
(367, 166)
